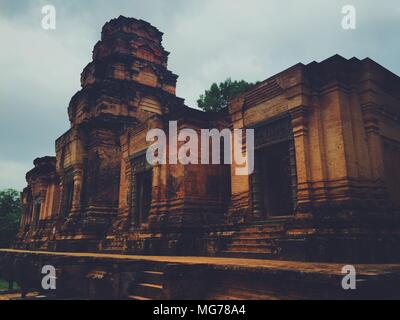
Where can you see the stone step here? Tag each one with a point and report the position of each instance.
(268, 223)
(243, 249)
(265, 229)
(251, 248)
(276, 220)
(258, 235)
(152, 277)
(147, 290)
(138, 298)
(254, 241)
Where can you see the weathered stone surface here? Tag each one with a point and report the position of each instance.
(112, 276)
(325, 188)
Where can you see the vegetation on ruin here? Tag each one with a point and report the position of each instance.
(217, 97)
(10, 213)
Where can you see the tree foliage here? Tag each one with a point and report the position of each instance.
(10, 213)
(218, 96)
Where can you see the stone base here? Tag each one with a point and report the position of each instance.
(343, 235)
(329, 234)
(107, 276)
(367, 249)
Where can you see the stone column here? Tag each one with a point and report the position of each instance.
(371, 123)
(45, 202)
(25, 212)
(29, 217)
(293, 172)
(35, 214)
(77, 178)
(300, 115)
(257, 191)
(60, 202)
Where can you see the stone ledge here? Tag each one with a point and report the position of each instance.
(212, 278)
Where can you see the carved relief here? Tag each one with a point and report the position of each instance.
(148, 77)
(273, 132)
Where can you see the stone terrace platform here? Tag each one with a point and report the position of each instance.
(114, 276)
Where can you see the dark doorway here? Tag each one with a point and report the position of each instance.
(275, 176)
(143, 190)
(68, 195)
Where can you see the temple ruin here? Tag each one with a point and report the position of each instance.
(327, 152)
(326, 185)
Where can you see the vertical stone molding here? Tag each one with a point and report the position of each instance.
(374, 141)
(300, 120)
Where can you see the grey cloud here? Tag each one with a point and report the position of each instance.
(209, 41)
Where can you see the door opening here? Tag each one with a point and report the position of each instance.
(275, 180)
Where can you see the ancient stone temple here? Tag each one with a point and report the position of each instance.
(326, 184)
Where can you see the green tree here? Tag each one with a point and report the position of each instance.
(10, 213)
(218, 96)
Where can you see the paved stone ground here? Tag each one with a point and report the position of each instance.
(16, 295)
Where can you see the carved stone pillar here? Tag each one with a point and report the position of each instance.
(42, 205)
(60, 201)
(77, 178)
(256, 180)
(300, 116)
(293, 172)
(371, 123)
(37, 205)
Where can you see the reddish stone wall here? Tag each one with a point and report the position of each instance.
(338, 118)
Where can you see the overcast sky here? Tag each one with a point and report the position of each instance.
(209, 40)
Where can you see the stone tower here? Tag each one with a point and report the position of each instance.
(126, 83)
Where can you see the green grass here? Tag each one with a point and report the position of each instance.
(3, 285)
